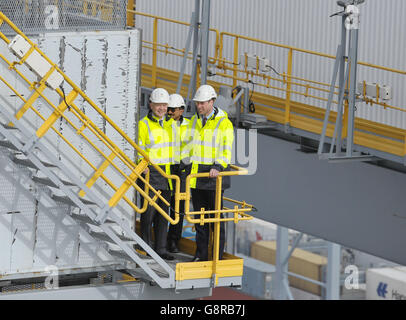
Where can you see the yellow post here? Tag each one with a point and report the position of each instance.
(98, 173)
(35, 95)
(154, 53)
(130, 14)
(85, 7)
(94, 8)
(56, 114)
(127, 184)
(216, 235)
(235, 72)
(288, 87)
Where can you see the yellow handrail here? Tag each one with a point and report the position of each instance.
(235, 171)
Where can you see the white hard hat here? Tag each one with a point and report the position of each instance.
(159, 95)
(176, 101)
(205, 93)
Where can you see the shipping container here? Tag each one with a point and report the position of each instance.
(257, 279)
(302, 262)
(386, 284)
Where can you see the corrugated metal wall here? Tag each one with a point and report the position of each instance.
(106, 67)
(302, 24)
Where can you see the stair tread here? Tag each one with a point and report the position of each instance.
(8, 127)
(29, 163)
(122, 254)
(86, 219)
(179, 257)
(69, 201)
(105, 237)
(8, 144)
(49, 182)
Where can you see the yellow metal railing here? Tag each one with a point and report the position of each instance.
(287, 78)
(216, 216)
(157, 47)
(287, 83)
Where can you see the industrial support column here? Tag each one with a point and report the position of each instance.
(333, 272)
(196, 40)
(280, 289)
(204, 48)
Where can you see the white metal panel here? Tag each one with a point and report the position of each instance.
(5, 240)
(22, 243)
(302, 24)
(17, 220)
(45, 245)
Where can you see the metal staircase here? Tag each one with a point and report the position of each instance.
(110, 230)
(34, 153)
(99, 196)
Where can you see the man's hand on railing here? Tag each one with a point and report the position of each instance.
(213, 173)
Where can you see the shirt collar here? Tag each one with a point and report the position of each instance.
(209, 116)
(156, 118)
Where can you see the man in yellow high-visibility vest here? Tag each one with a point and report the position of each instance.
(156, 135)
(175, 110)
(210, 140)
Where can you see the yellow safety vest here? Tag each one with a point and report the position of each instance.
(160, 143)
(182, 136)
(211, 144)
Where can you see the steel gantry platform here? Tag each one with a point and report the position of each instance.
(95, 201)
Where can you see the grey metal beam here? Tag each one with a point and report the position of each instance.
(204, 48)
(333, 272)
(186, 53)
(122, 291)
(353, 83)
(280, 291)
(341, 84)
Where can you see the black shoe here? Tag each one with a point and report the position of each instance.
(166, 256)
(196, 259)
(172, 247)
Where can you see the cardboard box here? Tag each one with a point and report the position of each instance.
(302, 262)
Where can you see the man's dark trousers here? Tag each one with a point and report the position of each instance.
(152, 216)
(206, 199)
